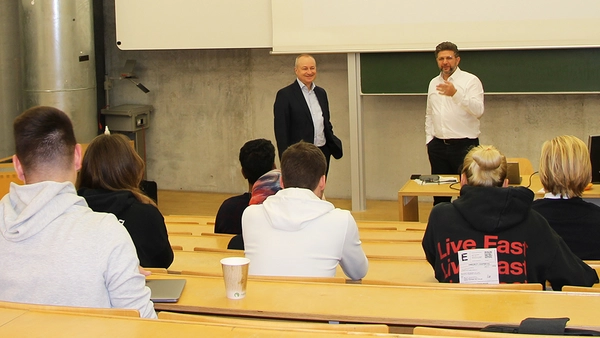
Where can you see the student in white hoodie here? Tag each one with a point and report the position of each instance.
(295, 232)
(55, 250)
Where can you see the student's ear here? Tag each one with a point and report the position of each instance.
(505, 183)
(322, 183)
(77, 158)
(463, 179)
(18, 168)
(281, 182)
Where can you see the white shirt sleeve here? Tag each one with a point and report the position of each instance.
(471, 99)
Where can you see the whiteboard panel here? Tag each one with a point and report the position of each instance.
(408, 25)
(193, 24)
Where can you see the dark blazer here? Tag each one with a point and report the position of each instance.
(293, 121)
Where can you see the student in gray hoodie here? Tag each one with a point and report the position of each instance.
(55, 250)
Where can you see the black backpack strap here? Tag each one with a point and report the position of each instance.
(547, 326)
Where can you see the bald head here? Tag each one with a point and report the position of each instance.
(306, 69)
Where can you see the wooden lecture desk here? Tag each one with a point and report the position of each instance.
(390, 236)
(6, 177)
(377, 226)
(395, 250)
(22, 323)
(408, 195)
(389, 225)
(189, 242)
(192, 229)
(372, 248)
(388, 270)
(191, 219)
(391, 305)
(6, 315)
(200, 261)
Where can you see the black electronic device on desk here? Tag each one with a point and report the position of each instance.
(430, 178)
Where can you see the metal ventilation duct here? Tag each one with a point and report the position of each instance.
(59, 63)
(11, 103)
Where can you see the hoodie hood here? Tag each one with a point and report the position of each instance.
(291, 208)
(114, 202)
(494, 209)
(28, 209)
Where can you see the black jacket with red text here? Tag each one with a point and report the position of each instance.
(529, 251)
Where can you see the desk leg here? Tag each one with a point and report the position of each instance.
(408, 207)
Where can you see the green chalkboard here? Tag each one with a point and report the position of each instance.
(500, 71)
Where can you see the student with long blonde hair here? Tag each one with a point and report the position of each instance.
(489, 214)
(565, 171)
(109, 180)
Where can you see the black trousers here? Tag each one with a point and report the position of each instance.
(447, 156)
(327, 152)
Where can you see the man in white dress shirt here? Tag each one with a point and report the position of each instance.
(454, 107)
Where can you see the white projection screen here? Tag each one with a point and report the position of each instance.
(407, 25)
(292, 26)
(193, 24)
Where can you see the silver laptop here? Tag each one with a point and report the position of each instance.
(165, 290)
(513, 173)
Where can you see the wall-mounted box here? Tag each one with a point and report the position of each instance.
(132, 120)
(128, 117)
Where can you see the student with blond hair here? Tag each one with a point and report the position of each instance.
(109, 181)
(565, 171)
(489, 214)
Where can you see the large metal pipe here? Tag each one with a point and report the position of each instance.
(11, 98)
(59, 62)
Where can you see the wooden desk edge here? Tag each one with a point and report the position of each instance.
(408, 322)
(404, 321)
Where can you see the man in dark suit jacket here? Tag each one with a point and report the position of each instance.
(302, 113)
